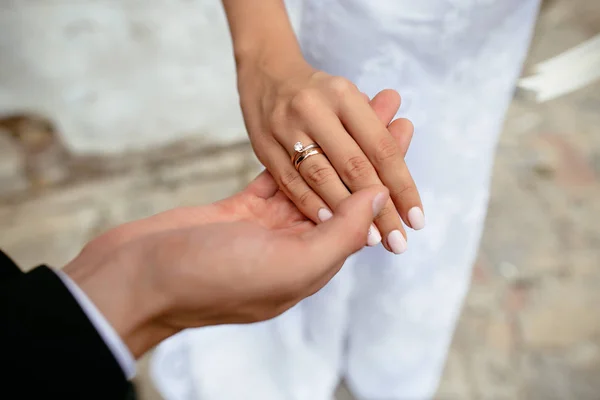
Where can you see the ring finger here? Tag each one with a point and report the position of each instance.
(320, 175)
(355, 171)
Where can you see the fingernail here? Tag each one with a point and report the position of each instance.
(416, 218)
(324, 214)
(374, 237)
(396, 242)
(379, 202)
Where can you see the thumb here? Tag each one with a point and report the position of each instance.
(346, 232)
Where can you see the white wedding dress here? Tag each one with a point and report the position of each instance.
(384, 323)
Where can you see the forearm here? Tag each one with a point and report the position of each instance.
(262, 35)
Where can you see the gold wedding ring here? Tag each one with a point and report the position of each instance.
(303, 152)
(305, 155)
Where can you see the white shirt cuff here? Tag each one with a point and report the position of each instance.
(112, 339)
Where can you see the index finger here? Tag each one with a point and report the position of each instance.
(345, 233)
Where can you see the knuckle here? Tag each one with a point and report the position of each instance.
(319, 175)
(341, 86)
(357, 168)
(278, 118)
(290, 181)
(405, 190)
(304, 198)
(295, 187)
(387, 212)
(386, 150)
(305, 100)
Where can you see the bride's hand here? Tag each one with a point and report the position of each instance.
(301, 104)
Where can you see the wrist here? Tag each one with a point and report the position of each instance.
(262, 35)
(117, 288)
(272, 62)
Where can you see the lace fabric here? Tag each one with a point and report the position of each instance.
(384, 323)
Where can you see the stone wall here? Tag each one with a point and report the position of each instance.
(117, 75)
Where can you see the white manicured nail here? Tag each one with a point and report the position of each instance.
(374, 237)
(416, 218)
(324, 214)
(396, 242)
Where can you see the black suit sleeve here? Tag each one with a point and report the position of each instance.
(49, 348)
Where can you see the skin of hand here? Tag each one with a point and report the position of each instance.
(243, 259)
(247, 258)
(284, 100)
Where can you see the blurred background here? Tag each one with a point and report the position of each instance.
(110, 111)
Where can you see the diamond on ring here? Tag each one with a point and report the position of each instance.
(302, 152)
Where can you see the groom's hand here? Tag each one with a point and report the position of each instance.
(250, 261)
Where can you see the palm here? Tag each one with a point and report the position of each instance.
(275, 212)
(260, 203)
